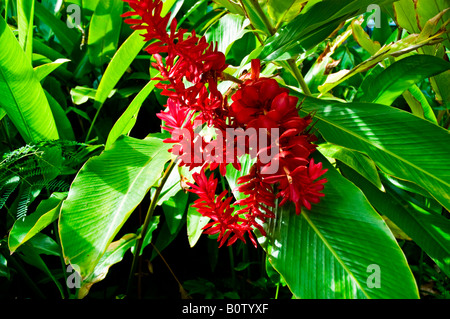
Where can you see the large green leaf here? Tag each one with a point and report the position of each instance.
(428, 229)
(21, 94)
(400, 143)
(359, 162)
(116, 69)
(398, 77)
(330, 251)
(104, 31)
(121, 61)
(128, 119)
(104, 194)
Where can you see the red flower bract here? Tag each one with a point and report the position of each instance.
(259, 106)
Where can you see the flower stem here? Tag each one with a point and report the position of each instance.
(148, 217)
(229, 77)
(299, 77)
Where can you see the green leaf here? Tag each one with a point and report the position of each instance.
(116, 69)
(69, 38)
(43, 70)
(114, 254)
(104, 31)
(121, 61)
(81, 94)
(359, 162)
(175, 213)
(406, 45)
(230, 6)
(32, 256)
(429, 230)
(63, 124)
(154, 222)
(401, 144)
(310, 28)
(364, 39)
(226, 31)
(113, 183)
(2, 113)
(25, 17)
(251, 11)
(284, 11)
(195, 223)
(4, 270)
(401, 75)
(419, 104)
(46, 213)
(21, 94)
(329, 252)
(126, 122)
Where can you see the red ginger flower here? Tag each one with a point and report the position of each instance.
(218, 209)
(260, 103)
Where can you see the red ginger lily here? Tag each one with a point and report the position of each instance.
(260, 104)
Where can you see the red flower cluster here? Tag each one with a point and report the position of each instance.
(259, 104)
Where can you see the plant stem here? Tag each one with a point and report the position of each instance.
(229, 77)
(276, 292)
(148, 217)
(61, 258)
(299, 77)
(233, 272)
(93, 123)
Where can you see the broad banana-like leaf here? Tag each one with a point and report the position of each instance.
(104, 194)
(21, 93)
(341, 248)
(400, 144)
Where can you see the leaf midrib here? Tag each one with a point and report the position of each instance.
(333, 252)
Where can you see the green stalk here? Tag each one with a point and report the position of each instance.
(93, 123)
(299, 77)
(233, 271)
(61, 258)
(148, 217)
